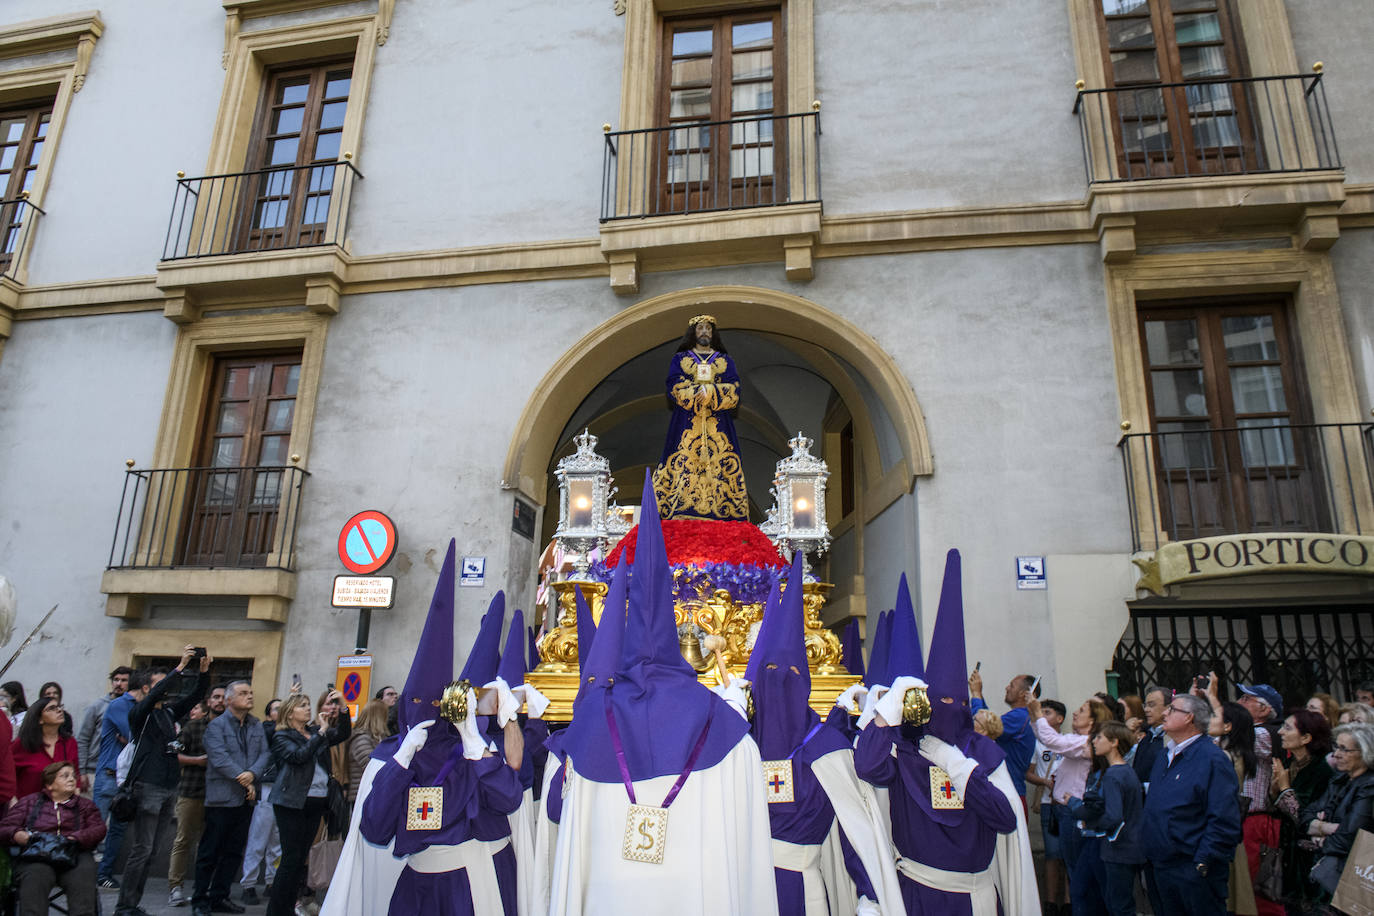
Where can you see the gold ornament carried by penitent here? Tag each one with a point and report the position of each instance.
(453, 705)
(915, 706)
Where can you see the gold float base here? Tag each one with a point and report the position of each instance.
(561, 689)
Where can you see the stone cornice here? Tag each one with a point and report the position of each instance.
(845, 235)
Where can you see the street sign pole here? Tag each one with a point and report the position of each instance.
(364, 625)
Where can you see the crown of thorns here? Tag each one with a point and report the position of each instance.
(709, 319)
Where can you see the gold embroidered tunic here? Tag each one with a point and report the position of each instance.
(700, 475)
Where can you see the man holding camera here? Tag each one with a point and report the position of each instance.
(155, 770)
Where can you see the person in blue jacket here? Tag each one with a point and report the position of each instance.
(1111, 818)
(1191, 824)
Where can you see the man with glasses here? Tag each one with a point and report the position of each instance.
(1192, 823)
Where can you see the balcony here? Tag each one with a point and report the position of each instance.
(1268, 477)
(751, 185)
(258, 234)
(206, 531)
(1249, 126)
(18, 219)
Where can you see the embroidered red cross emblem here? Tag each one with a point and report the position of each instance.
(947, 789)
(777, 782)
(424, 810)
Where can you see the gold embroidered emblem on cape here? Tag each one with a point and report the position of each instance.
(646, 834)
(942, 791)
(777, 781)
(426, 808)
(703, 476)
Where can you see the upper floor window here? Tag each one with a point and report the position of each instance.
(23, 133)
(1230, 449)
(721, 92)
(295, 149)
(1179, 109)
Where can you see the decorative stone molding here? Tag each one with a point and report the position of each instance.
(77, 31)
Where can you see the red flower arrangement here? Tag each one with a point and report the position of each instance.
(699, 542)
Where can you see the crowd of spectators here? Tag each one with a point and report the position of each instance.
(164, 753)
(1185, 802)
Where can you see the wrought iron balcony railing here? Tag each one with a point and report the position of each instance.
(18, 218)
(1207, 127)
(1270, 476)
(236, 518)
(699, 166)
(288, 206)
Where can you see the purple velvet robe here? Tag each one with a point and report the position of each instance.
(961, 841)
(479, 796)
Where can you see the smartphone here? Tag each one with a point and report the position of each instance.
(1200, 682)
(978, 666)
(296, 681)
(198, 652)
(1034, 684)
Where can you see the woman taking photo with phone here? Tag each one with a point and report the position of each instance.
(301, 748)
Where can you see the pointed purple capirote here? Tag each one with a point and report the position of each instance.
(904, 642)
(485, 657)
(877, 653)
(947, 667)
(660, 709)
(432, 669)
(650, 631)
(851, 648)
(782, 680)
(512, 669)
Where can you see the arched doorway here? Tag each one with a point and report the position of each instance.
(804, 369)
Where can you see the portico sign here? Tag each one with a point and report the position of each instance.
(1248, 554)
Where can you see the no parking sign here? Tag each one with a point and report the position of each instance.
(367, 542)
(354, 680)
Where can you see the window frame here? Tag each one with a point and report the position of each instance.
(1183, 154)
(720, 155)
(293, 232)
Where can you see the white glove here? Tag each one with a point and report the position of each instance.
(852, 700)
(505, 705)
(474, 745)
(875, 693)
(950, 759)
(734, 694)
(889, 706)
(867, 907)
(411, 743)
(535, 702)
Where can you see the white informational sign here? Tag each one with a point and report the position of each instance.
(364, 591)
(474, 571)
(1030, 572)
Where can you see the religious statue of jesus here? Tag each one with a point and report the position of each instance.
(700, 475)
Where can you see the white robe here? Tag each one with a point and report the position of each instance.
(717, 849)
(366, 875)
(857, 812)
(1012, 866)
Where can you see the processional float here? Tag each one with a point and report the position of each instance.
(722, 573)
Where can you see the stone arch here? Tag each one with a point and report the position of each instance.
(778, 314)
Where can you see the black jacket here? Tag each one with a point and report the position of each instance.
(152, 765)
(1348, 802)
(296, 756)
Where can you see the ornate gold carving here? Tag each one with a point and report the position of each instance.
(703, 476)
(558, 648)
(715, 614)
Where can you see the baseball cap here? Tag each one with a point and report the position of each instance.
(1266, 693)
